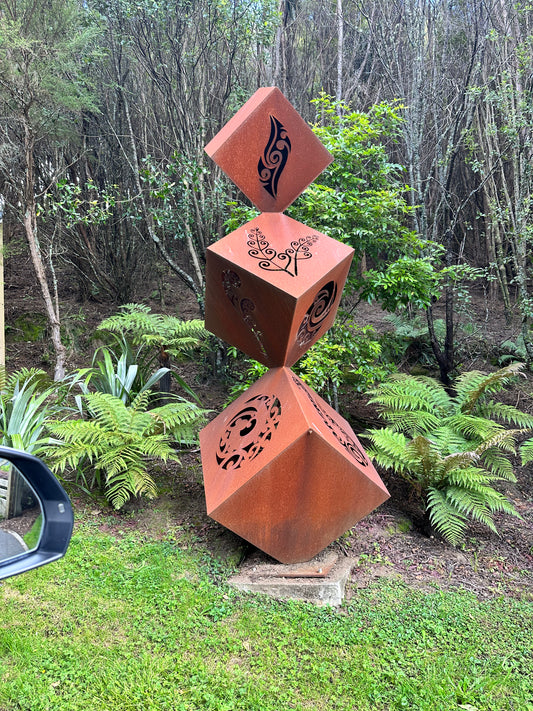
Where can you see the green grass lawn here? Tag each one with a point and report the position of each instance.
(129, 623)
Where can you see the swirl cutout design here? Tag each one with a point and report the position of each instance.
(272, 163)
(345, 439)
(231, 283)
(317, 312)
(248, 432)
(272, 261)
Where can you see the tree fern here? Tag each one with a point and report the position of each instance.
(451, 450)
(138, 324)
(158, 337)
(119, 440)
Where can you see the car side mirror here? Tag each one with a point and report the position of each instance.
(36, 517)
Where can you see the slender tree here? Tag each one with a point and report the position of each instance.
(42, 91)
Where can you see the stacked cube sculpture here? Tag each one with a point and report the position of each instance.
(281, 468)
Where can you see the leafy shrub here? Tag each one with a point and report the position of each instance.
(347, 356)
(450, 448)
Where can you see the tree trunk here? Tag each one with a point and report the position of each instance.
(30, 228)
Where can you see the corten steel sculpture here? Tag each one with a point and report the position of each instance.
(281, 468)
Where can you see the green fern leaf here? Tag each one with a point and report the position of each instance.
(505, 413)
(445, 517)
(472, 387)
(526, 451)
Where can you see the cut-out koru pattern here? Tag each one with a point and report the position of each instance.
(316, 313)
(273, 261)
(277, 150)
(248, 432)
(340, 433)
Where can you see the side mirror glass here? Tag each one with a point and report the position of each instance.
(21, 515)
(36, 518)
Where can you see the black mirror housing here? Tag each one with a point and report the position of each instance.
(58, 517)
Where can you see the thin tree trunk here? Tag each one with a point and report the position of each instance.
(340, 52)
(30, 228)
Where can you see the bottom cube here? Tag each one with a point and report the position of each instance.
(285, 471)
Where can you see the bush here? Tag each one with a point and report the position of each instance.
(451, 449)
(110, 449)
(347, 356)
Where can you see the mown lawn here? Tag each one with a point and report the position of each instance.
(130, 623)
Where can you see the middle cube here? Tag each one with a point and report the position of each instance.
(273, 287)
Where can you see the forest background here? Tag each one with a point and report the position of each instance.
(427, 108)
(107, 106)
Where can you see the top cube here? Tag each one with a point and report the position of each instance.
(269, 151)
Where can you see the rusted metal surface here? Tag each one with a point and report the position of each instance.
(269, 151)
(281, 468)
(285, 471)
(273, 287)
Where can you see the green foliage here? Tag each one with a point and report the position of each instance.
(76, 204)
(407, 282)
(360, 197)
(112, 448)
(451, 449)
(24, 408)
(140, 327)
(347, 356)
(40, 61)
(125, 376)
(156, 337)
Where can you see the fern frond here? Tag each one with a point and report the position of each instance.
(412, 422)
(505, 413)
(445, 517)
(406, 392)
(119, 440)
(503, 440)
(449, 440)
(468, 477)
(144, 327)
(472, 387)
(498, 464)
(480, 503)
(472, 504)
(473, 427)
(428, 460)
(109, 410)
(389, 448)
(526, 451)
(459, 460)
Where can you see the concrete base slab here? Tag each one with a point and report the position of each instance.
(321, 580)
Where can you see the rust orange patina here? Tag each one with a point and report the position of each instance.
(273, 287)
(269, 151)
(281, 468)
(285, 471)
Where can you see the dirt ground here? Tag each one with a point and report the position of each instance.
(388, 543)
